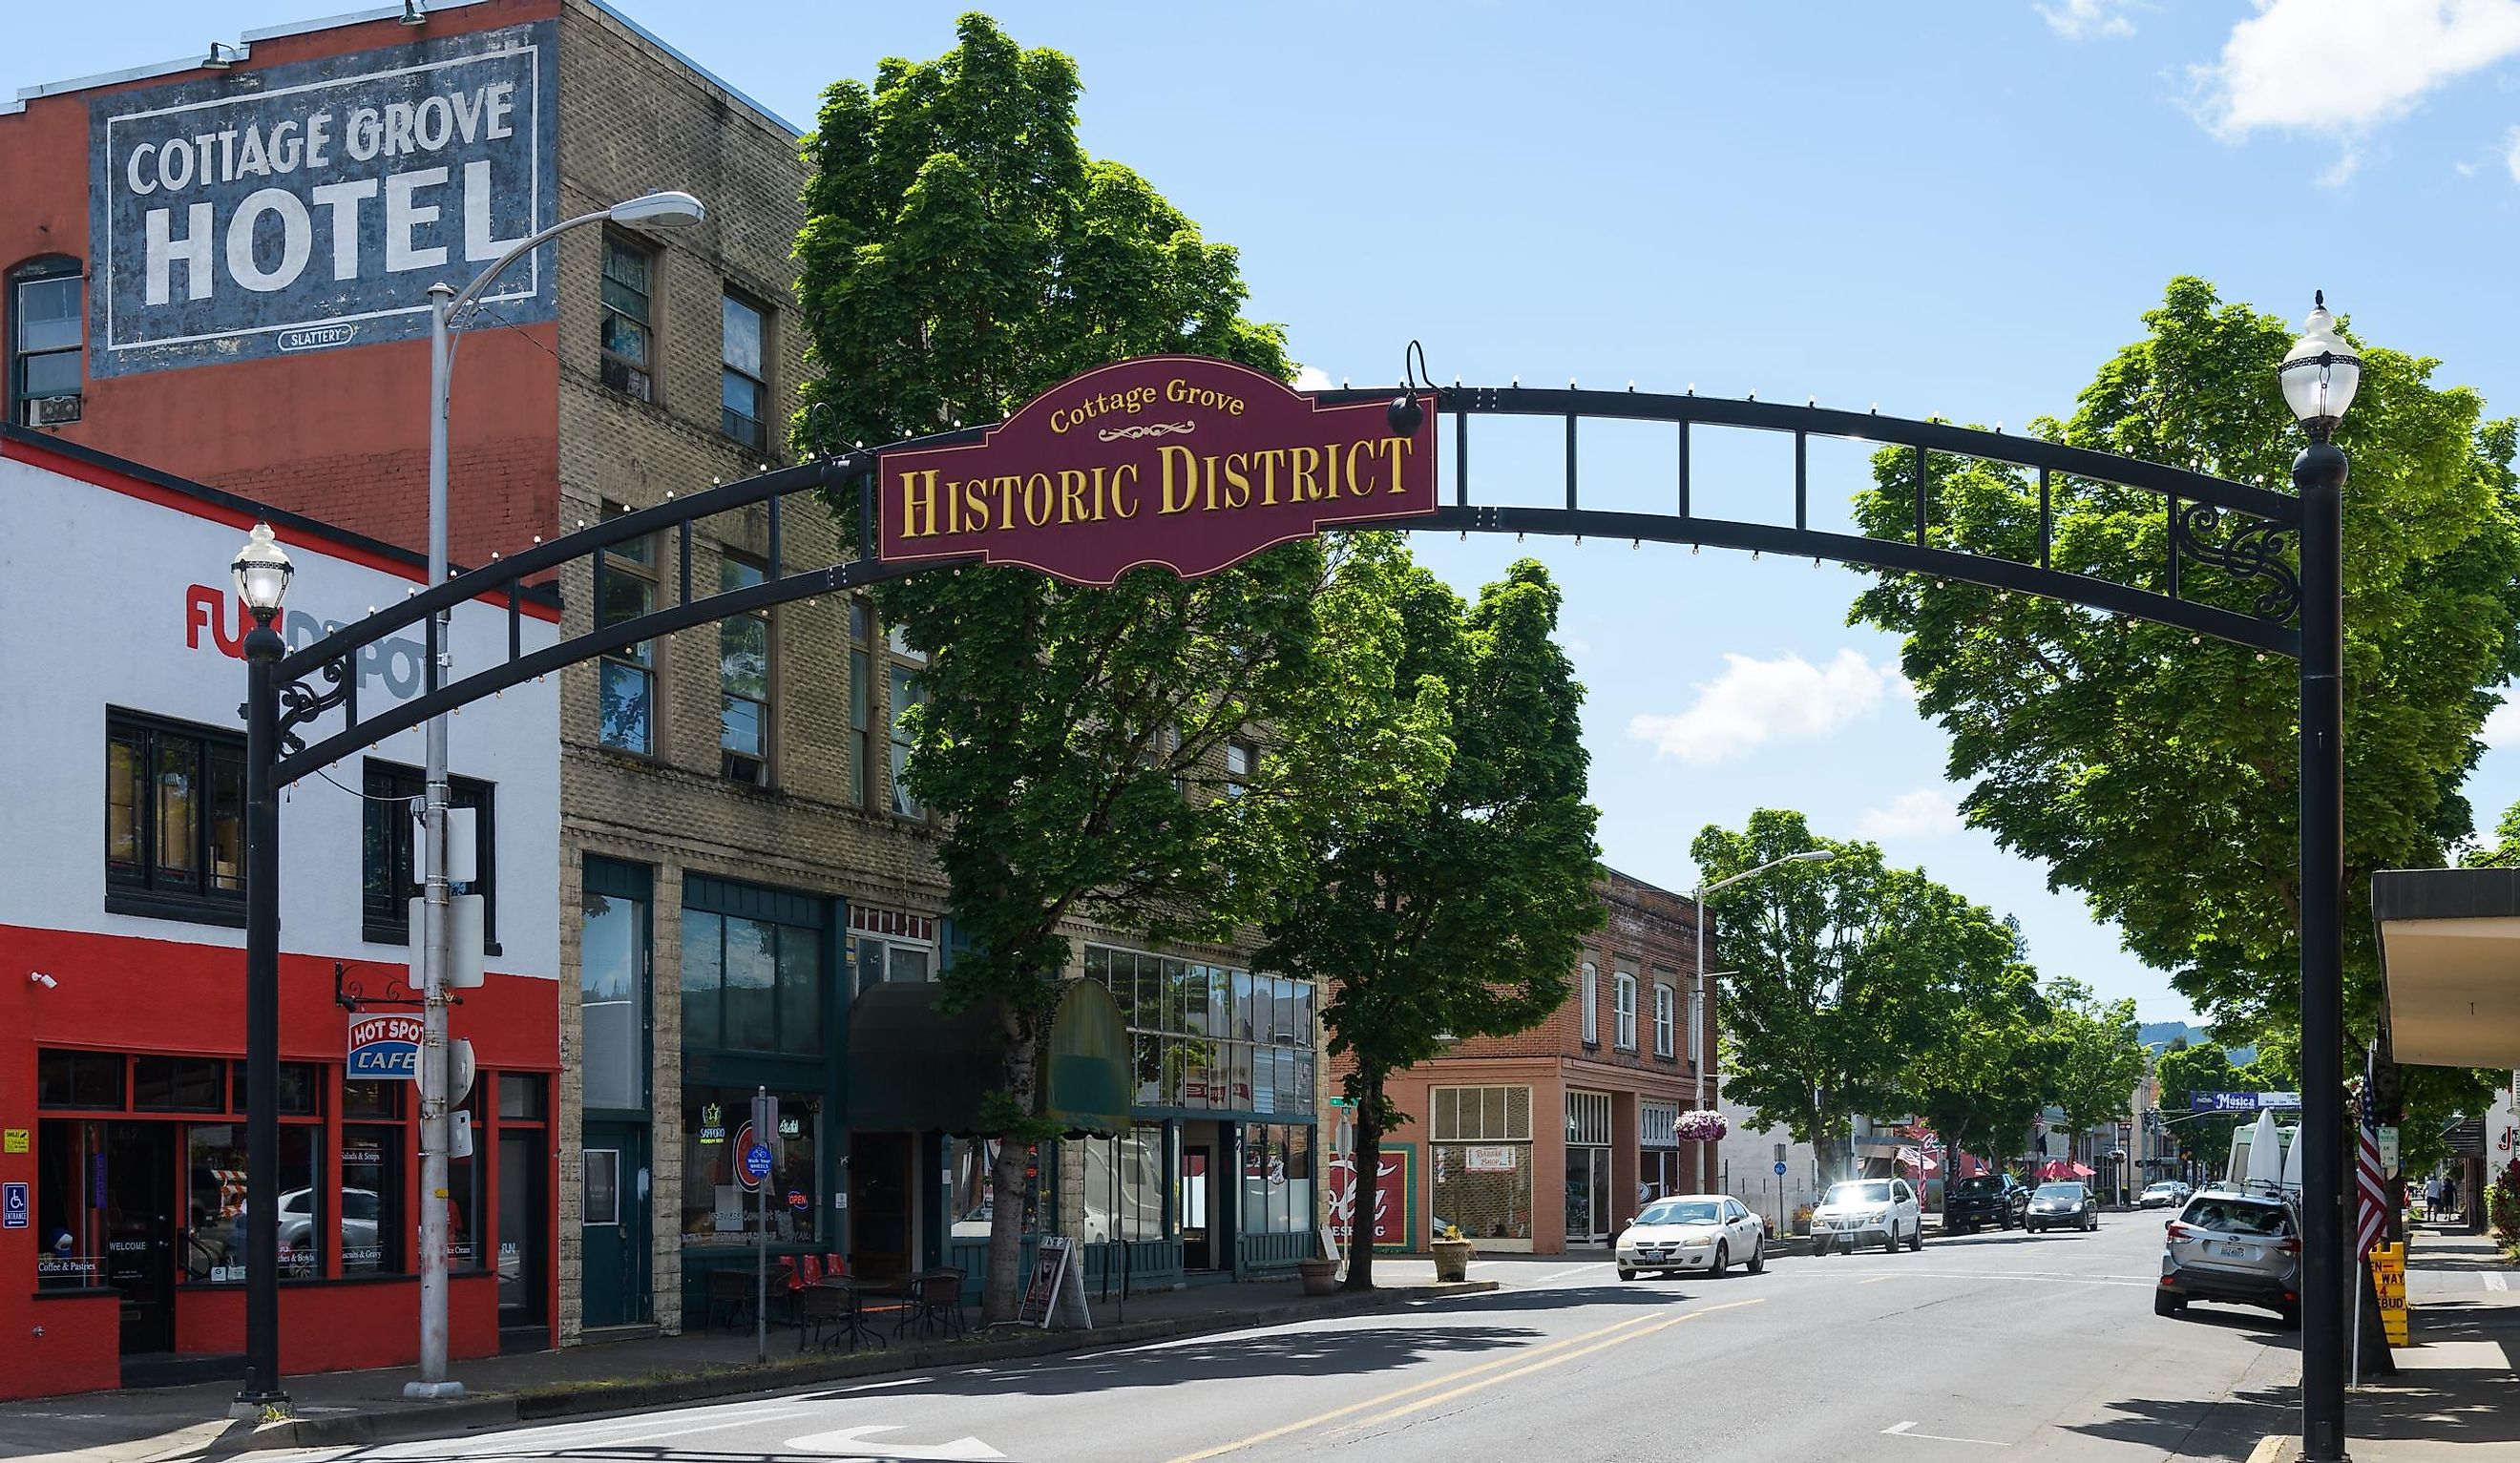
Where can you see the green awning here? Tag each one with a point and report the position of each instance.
(915, 1068)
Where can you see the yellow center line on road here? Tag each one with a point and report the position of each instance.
(1335, 1413)
(1422, 1404)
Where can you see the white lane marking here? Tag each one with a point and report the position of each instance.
(879, 1385)
(848, 1442)
(1581, 1269)
(1908, 1430)
(2044, 1279)
(2494, 1281)
(602, 1431)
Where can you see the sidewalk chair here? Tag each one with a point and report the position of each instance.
(937, 1296)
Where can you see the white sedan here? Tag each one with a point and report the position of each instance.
(1693, 1232)
(1884, 1211)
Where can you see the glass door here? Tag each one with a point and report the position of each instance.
(1198, 1253)
(139, 1184)
(1587, 1195)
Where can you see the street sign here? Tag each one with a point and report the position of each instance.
(2241, 1102)
(1184, 462)
(383, 1047)
(1780, 1168)
(2389, 1151)
(756, 1162)
(14, 1206)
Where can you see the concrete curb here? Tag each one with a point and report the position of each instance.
(470, 1414)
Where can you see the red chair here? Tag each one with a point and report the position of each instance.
(813, 1269)
(832, 1264)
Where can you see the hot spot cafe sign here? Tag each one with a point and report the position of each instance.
(1183, 461)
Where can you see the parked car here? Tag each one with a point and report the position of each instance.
(1973, 1203)
(1883, 1210)
(2245, 1248)
(2170, 1193)
(1693, 1232)
(297, 1255)
(2061, 1206)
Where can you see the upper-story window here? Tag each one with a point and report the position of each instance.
(744, 389)
(743, 681)
(1663, 1019)
(1625, 986)
(629, 318)
(1240, 757)
(174, 820)
(47, 341)
(1588, 992)
(861, 702)
(906, 692)
(625, 588)
(388, 874)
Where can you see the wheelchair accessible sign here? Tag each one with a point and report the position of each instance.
(14, 1206)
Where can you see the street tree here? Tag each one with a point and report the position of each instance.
(2099, 1061)
(1453, 907)
(960, 253)
(2184, 1071)
(1841, 971)
(1980, 1083)
(2155, 773)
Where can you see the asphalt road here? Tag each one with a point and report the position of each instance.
(2005, 1345)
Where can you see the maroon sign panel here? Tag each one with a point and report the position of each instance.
(1189, 463)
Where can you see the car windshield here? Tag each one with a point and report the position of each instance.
(1870, 1191)
(1983, 1183)
(1681, 1211)
(2239, 1217)
(2060, 1191)
(2161, 1189)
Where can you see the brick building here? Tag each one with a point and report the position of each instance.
(218, 267)
(1555, 1136)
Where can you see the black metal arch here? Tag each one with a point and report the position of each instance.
(2193, 503)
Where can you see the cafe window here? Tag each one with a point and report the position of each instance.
(743, 376)
(374, 1195)
(389, 843)
(214, 1202)
(174, 820)
(79, 1078)
(629, 318)
(718, 1208)
(625, 694)
(743, 681)
(47, 340)
(751, 985)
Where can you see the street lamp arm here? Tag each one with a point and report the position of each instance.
(522, 248)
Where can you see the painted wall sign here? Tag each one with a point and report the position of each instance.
(1188, 462)
(247, 213)
(1394, 1215)
(383, 1047)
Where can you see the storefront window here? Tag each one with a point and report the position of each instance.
(70, 1219)
(613, 984)
(749, 985)
(974, 1202)
(371, 1197)
(1482, 1160)
(718, 1208)
(1208, 1038)
(1277, 1179)
(1124, 1185)
(79, 1079)
(214, 1168)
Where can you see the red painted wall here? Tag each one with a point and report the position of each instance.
(344, 1326)
(337, 434)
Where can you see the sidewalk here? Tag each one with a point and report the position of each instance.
(339, 1408)
(2451, 1399)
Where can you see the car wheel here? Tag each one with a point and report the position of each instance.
(1758, 1256)
(2169, 1303)
(1916, 1241)
(1627, 1272)
(2092, 1225)
(1723, 1260)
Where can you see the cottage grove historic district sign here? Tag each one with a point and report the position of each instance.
(1188, 462)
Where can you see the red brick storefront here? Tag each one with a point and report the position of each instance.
(1549, 1138)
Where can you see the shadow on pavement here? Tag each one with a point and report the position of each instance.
(2188, 1428)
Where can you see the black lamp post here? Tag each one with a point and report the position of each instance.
(262, 571)
(2318, 377)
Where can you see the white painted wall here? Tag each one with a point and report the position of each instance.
(1746, 1167)
(98, 608)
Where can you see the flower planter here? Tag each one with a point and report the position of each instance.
(1453, 1260)
(1321, 1276)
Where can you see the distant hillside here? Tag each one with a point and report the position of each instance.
(2158, 1034)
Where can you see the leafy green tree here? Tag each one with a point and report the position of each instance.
(2184, 1071)
(1455, 906)
(1844, 969)
(961, 253)
(2099, 1061)
(1984, 1078)
(2156, 774)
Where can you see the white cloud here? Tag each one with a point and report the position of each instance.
(1755, 701)
(2501, 726)
(2340, 67)
(1926, 813)
(2078, 20)
(1313, 379)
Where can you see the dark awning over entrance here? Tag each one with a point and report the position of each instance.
(2449, 954)
(915, 1068)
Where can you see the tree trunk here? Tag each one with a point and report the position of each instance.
(1002, 1296)
(1366, 1182)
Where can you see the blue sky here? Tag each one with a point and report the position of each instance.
(1952, 210)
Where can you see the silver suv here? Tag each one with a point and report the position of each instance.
(2232, 1247)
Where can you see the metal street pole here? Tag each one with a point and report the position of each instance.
(433, 1383)
(263, 651)
(2318, 476)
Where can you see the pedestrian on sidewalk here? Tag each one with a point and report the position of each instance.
(2433, 1197)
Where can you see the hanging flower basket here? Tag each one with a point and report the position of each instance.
(1700, 1127)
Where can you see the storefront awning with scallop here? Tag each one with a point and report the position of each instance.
(914, 1067)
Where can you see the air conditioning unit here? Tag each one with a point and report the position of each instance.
(54, 410)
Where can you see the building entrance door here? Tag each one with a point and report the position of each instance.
(1195, 1203)
(880, 1217)
(613, 1225)
(141, 1232)
(1588, 1196)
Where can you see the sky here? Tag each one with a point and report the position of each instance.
(1955, 210)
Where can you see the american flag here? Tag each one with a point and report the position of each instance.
(2372, 1212)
